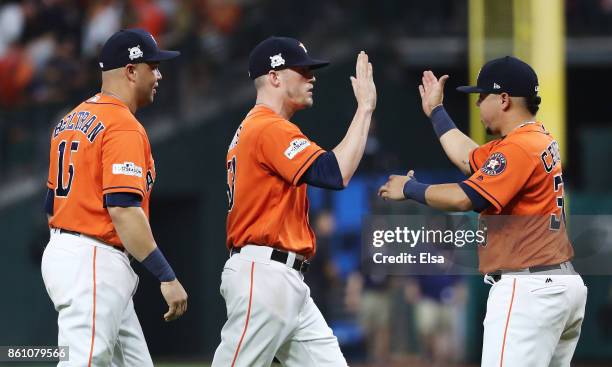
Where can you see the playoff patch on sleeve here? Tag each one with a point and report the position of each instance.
(127, 168)
(296, 146)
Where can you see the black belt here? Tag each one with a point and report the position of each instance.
(61, 230)
(281, 257)
(534, 269)
(78, 234)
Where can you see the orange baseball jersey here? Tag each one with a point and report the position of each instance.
(520, 175)
(267, 204)
(98, 148)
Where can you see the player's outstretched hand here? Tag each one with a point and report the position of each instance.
(363, 83)
(175, 297)
(432, 91)
(394, 188)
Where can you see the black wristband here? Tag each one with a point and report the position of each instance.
(157, 264)
(441, 121)
(415, 190)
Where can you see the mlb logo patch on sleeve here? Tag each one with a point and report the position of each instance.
(296, 146)
(495, 164)
(127, 168)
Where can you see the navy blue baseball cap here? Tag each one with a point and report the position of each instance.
(132, 46)
(276, 53)
(505, 75)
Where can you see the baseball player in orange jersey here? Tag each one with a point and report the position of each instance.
(536, 303)
(269, 163)
(101, 173)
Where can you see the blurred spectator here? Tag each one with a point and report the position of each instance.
(218, 19)
(438, 302)
(61, 77)
(16, 72)
(12, 22)
(369, 297)
(223, 15)
(180, 23)
(52, 20)
(146, 14)
(103, 19)
(322, 276)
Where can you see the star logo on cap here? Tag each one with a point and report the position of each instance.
(276, 60)
(135, 52)
(496, 86)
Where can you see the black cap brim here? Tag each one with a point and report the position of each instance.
(163, 55)
(313, 64)
(470, 89)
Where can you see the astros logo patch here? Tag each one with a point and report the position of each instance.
(494, 165)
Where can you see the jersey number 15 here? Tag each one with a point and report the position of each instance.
(63, 157)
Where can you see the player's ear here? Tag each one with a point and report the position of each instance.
(130, 72)
(505, 101)
(274, 78)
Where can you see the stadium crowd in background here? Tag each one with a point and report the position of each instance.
(48, 48)
(48, 51)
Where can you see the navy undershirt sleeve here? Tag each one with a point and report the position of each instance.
(49, 201)
(479, 203)
(324, 172)
(122, 199)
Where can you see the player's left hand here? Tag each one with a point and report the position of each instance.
(363, 83)
(432, 91)
(175, 297)
(394, 188)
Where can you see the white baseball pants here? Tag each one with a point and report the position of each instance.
(270, 313)
(533, 320)
(91, 285)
